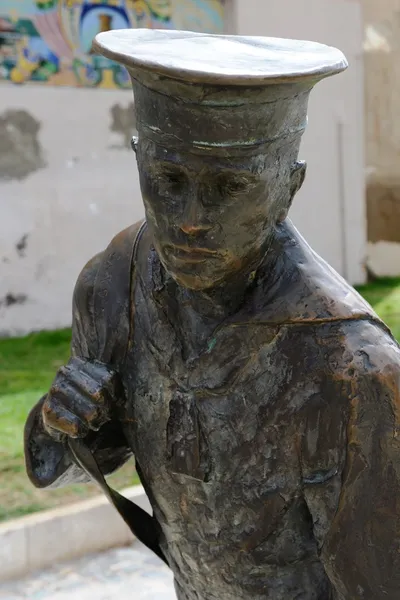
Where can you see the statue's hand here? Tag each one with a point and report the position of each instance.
(80, 399)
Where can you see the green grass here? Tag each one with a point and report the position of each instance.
(29, 363)
(384, 297)
(27, 368)
(13, 411)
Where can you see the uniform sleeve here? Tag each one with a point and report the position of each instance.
(361, 551)
(48, 462)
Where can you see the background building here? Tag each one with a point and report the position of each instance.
(68, 179)
(382, 94)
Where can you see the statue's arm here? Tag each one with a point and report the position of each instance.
(79, 403)
(48, 460)
(361, 551)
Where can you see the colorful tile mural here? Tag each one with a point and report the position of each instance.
(49, 41)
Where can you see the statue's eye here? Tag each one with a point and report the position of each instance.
(172, 180)
(167, 180)
(232, 185)
(236, 186)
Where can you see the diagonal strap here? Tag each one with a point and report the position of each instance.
(143, 526)
(118, 271)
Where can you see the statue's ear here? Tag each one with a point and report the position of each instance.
(134, 143)
(297, 176)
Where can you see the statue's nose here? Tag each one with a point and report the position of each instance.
(194, 219)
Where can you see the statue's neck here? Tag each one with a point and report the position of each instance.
(221, 301)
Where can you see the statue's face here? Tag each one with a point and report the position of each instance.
(210, 217)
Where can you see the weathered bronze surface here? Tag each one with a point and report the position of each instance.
(256, 389)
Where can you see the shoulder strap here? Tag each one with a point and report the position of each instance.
(113, 328)
(113, 294)
(143, 526)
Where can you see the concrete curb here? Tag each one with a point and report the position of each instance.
(38, 541)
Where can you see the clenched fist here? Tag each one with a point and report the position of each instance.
(80, 399)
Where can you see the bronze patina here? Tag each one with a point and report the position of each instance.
(256, 389)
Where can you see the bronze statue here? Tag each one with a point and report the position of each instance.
(256, 389)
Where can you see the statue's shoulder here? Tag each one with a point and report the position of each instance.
(373, 351)
(117, 253)
(359, 356)
(124, 244)
(306, 288)
(102, 296)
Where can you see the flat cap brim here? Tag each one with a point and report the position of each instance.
(220, 59)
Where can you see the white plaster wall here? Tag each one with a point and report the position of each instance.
(70, 209)
(330, 209)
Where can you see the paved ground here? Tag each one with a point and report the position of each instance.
(124, 574)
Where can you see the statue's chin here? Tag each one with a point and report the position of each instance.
(197, 278)
(200, 276)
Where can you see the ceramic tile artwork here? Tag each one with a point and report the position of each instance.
(49, 41)
(124, 573)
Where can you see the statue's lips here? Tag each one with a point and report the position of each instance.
(190, 255)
